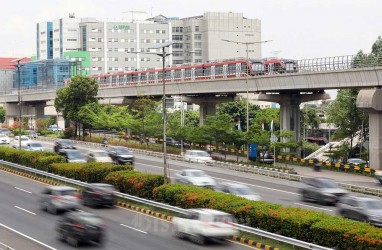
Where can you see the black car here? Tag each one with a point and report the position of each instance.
(81, 227)
(98, 194)
(121, 155)
(63, 144)
(172, 142)
(73, 155)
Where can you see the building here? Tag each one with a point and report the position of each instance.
(7, 69)
(124, 45)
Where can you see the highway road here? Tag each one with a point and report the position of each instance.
(270, 189)
(126, 229)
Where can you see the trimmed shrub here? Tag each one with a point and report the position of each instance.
(44, 163)
(135, 183)
(87, 172)
(26, 158)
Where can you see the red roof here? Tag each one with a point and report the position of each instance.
(6, 62)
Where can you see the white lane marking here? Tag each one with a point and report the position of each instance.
(28, 237)
(7, 247)
(133, 228)
(273, 189)
(25, 210)
(23, 190)
(300, 204)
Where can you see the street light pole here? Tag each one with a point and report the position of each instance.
(246, 82)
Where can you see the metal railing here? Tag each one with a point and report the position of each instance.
(262, 233)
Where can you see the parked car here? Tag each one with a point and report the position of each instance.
(358, 162)
(194, 177)
(99, 156)
(16, 141)
(201, 225)
(59, 198)
(237, 189)
(322, 190)
(120, 155)
(63, 144)
(5, 131)
(198, 156)
(265, 158)
(98, 194)
(32, 134)
(35, 146)
(81, 227)
(4, 139)
(365, 209)
(73, 155)
(55, 128)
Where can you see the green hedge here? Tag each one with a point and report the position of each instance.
(26, 158)
(305, 225)
(135, 183)
(44, 163)
(87, 172)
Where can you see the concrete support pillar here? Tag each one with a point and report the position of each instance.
(39, 111)
(206, 108)
(290, 115)
(370, 100)
(60, 121)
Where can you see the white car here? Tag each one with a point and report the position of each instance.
(99, 156)
(203, 224)
(197, 156)
(194, 177)
(237, 189)
(4, 139)
(24, 141)
(35, 146)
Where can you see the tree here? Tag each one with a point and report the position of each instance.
(265, 116)
(81, 91)
(140, 109)
(259, 136)
(2, 114)
(238, 110)
(217, 128)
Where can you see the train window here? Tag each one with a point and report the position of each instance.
(143, 77)
(114, 79)
(231, 69)
(187, 73)
(258, 68)
(168, 74)
(207, 71)
(289, 67)
(244, 68)
(129, 78)
(199, 72)
(218, 70)
(152, 77)
(178, 74)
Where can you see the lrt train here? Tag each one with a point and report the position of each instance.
(198, 72)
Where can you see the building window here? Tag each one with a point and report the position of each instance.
(198, 60)
(56, 30)
(72, 30)
(95, 30)
(177, 45)
(198, 36)
(176, 29)
(197, 28)
(71, 40)
(177, 61)
(198, 52)
(198, 45)
(249, 34)
(177, 37)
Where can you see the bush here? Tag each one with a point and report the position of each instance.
(69, 132)
(26, 158)
(135, 183)
(87, 172)
(44, 163)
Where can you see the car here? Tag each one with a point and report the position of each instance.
(237, 189)
(73, 155)
(4, 139)
(365, 209)
(63, 144)
(356, 161)
(172, 142)
(323, 190)
(55, 199)
(32, 134)
(24, 141)
(55, 128)
(98, 194)
(121, 155)
(34, 146)
(204, 224)
(265, 158)
(198, 156)
(81, 227)
(5, 131)
(194, 177)
(99, 156)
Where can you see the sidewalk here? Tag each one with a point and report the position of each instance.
(308, 171)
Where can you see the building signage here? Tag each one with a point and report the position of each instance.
(121, 27)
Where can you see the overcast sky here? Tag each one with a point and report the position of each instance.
(299, 28)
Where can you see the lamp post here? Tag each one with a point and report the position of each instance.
(246, 81)
(19, 95)
(164, 54)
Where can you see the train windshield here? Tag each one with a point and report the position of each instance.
(258, 67)
(290, 67)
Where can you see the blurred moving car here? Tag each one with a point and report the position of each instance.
(201, 225)
(16, 141)
(98, 194)
(265, 157)
(34, 146)
(378, 176)
(4, 139)
(194, 177)
(99, 156)
(59, 198)
(73, 155)
(237, 189)
(81, 227)
(198, 156)
(362, 209)
(55, 128)
(32, 134)
(63, 144)
(120, 155)
(5, 131)
(322, 190)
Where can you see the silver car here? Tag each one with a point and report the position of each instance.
(322, 190)
(365, 209)
(194, 177)
(238, 190)
(59, 198)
